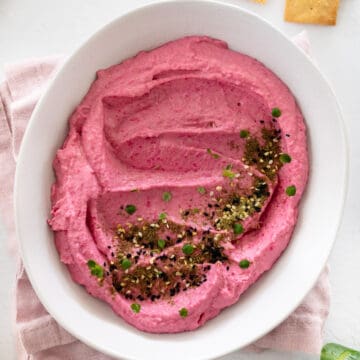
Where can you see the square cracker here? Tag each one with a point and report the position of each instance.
(312, 11)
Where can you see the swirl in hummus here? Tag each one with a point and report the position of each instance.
(179, 182)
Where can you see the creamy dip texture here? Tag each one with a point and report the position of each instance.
(179, 182)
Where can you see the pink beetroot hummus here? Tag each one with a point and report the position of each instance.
(179, 182)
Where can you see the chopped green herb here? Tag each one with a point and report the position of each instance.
(188, 249)
(215, 156)
(228, 173)
(162, 216)
(161, 243)
(183, 312)
(244, 264)
(276, 112)
(125, 264)
(244, 134)
(130, 209)
(291, 190)
(201, 190)
(95, 269)
(98, 272)
(238, 228)
(91, 264)
(135, 308)
(285, 158)
(166, 196)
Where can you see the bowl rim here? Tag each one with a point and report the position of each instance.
(58, 74)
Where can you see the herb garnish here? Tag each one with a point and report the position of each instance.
(162, 216)
(276, 112)
(135, 308)
(291, 190)
(125, 264)
(244, 264)
(285, 158)
(167, 196)
(161, 243)
(201, 190)
(228, 173)
(214, 155)
(244, 134)
(130, 209)
(95, 269)
(183, 312)
(238, 229)
(188, 249)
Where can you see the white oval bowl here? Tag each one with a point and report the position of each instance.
(280, 290)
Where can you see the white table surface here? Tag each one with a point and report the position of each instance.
(41, 27)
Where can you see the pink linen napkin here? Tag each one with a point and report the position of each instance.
(40, 337)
